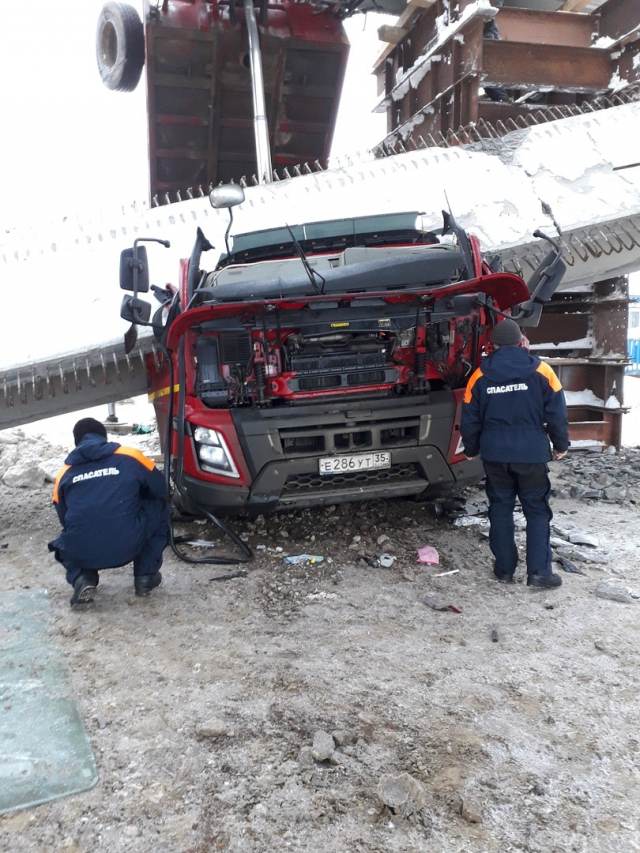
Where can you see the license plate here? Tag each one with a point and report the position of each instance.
(354, 462)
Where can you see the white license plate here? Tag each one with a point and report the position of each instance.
(354, 462)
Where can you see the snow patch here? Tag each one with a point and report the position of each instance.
(580, 343)
(588, 398)
(612, 402)
(604, 42)
(617, 82)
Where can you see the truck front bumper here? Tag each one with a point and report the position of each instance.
(416, 431)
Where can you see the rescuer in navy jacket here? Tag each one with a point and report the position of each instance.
(513, 406)
(112, 504)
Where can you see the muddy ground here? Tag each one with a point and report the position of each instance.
(516, 719)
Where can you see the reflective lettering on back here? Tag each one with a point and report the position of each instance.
(92, 475)
(507, 389)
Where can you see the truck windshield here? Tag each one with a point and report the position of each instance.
(329, 235)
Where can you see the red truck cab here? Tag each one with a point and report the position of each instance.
(324, 363)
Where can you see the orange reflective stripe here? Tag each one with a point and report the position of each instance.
(547, 371)
(477, 374)
(149, 464)
(56, 485)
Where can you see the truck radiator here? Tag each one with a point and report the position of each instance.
(341, 380)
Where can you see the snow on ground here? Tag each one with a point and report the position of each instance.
(511, 725)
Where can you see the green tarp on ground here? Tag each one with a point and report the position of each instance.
(44, 750)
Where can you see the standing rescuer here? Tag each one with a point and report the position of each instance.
(513, 405)
(112, 504)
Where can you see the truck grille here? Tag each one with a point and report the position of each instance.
(316, 483)
(375, 434)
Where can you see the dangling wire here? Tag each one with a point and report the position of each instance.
(246, 552)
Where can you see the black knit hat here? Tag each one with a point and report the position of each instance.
(85, 426)
(506, 334)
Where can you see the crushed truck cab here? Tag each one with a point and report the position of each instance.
(324, 363)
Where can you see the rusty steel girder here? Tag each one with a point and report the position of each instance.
(572, 69)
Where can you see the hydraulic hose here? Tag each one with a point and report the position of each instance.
(174, 541)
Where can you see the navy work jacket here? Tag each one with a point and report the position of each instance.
(513, 405)
(99, 495)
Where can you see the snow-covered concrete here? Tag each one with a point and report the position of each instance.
(63, 297)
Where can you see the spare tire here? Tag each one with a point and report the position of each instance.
(120, 46)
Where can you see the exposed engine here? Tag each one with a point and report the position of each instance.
(268, 364)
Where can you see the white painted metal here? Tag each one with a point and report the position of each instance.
(260, 123)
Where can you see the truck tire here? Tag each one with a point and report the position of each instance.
(120, 46)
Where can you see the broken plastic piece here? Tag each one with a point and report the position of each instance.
(303, 559)
(429, 555)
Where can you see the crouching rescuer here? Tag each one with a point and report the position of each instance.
(112, 504)
(513, 406)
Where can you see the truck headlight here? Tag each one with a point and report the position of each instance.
(213, 453)
(203, 435)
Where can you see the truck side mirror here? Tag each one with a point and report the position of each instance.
(542, 285)
(545, 280)
(135, 310)
(226, 195)
(128, 264)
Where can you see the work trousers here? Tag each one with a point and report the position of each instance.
(530, 483)
(148, 559)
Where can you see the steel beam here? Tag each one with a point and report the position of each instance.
(583, 335)
(617, 17)
(528, 25)
(522, 64)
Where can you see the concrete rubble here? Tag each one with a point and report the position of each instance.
(402, 794)
(612, 592)
(27, 462)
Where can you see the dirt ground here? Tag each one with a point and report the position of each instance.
(517, 719)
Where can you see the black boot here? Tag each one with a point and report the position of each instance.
(84, 588)
(549, 581)
(145, 583)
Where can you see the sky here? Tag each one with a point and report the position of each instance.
(70, 144)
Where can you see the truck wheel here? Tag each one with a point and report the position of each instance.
(120, 46)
